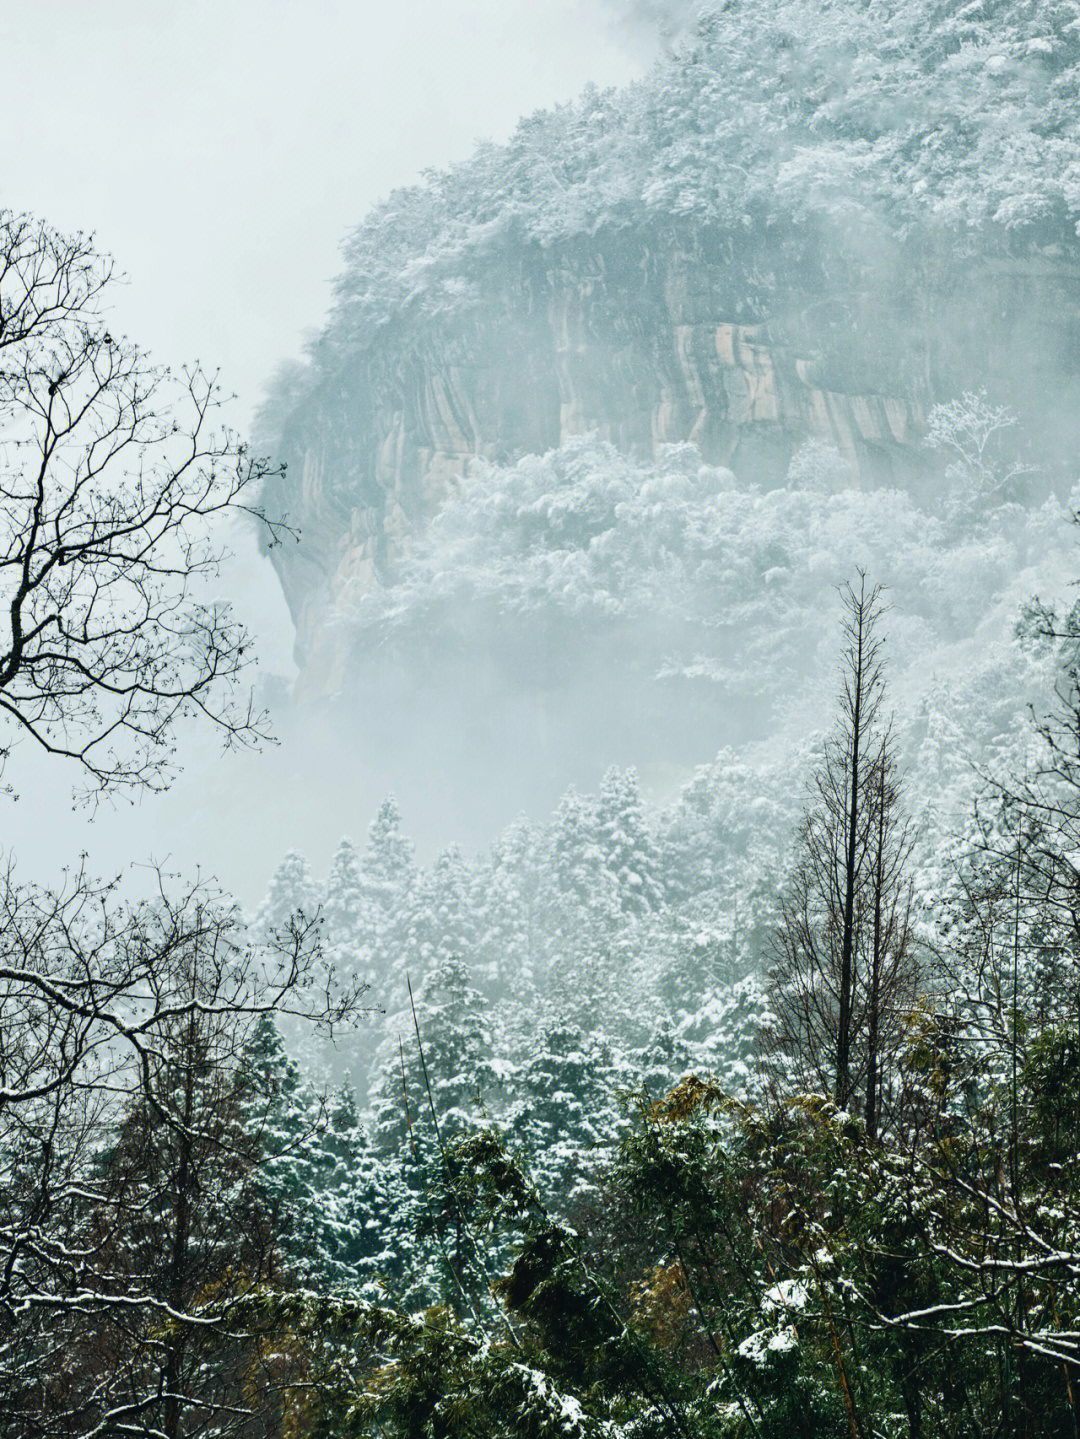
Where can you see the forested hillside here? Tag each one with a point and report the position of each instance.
(694, 475)
(815, 221)
(749, 1116)
(746, 1095)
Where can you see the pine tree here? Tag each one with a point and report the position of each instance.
(441, 924)
(456, 1042)
(292, 890)
(388, 869)
(353, 1199)
(343, 905)
(508, 902)
(664, 1059)
(723, 1034)
(433, 1077)
(309, 1151)
(626, 844)
(564, 1113)
(579, 900)
(351, 933)
(387, 882)
(576, 861)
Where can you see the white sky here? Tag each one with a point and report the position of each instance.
(220, 150)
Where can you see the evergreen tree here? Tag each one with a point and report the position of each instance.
(664, 1059)
(432, 1078)
(292, 890)
(441, 923)
(629, 855)
(388, 868)
(352, 931)
(309, 1152)
(564, 1113)
(456, 1042)
(580, 902)
(576, 862)
(508, 900)
(343, 905)
(723, 1034)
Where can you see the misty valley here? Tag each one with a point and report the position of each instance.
(676, 515)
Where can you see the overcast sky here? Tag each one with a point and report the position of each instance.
(220, 150)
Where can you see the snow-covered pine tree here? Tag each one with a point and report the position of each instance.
(440, 924)
(576, 875)
(292, 890)
(308, 1160)
(388, 868)
(508, 902)
(343, 905)
(579, 901)
(350, 929)
(429, 1092)
(629, 854)
(663, 1059)
(564, 1114)
(723, 1034)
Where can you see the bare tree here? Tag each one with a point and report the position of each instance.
(129, 1231)
(125, 1246)
(114, 477)
(891, 975)
(843, 949)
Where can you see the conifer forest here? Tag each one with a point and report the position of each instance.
(617, 975)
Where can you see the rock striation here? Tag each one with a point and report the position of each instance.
(745, 345)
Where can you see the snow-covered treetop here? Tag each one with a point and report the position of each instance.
(891, 113)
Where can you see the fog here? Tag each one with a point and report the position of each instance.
(263, 137)
(540, 719)
(220, 152)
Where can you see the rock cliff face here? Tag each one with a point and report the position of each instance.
(744, 345)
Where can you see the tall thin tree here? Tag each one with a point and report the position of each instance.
(843, 948)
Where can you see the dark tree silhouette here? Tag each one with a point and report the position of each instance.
(844, 955)
(130, 1230)
(115, 475)
(126, 1238)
